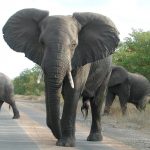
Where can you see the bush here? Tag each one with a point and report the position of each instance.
(134, 53)
(26, 83)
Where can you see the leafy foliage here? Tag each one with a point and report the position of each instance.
(134, 53)
(26, 83)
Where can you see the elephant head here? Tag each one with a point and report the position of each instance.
(118, 75)
(60, 44)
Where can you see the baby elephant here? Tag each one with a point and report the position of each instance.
(129, 87)
(7, 93)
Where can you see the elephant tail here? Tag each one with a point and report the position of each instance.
(85, 107)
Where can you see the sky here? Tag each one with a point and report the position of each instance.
(126, 14)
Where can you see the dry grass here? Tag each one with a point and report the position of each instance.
(32, 98)
(134, 119)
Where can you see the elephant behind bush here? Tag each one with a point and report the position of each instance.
(129, 87)
(7, 93)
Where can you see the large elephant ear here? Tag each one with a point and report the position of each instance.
(21, 32)
(97, 38)
(118, 76)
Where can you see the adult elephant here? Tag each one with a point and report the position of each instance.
(7, 94)
(129, 87)
(69, 49)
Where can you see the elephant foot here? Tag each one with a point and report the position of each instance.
(66, 142)
(16, 116)
(95, 137)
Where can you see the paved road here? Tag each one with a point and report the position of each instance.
(30, 132)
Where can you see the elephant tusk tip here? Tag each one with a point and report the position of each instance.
(71, 80)
(72, 85)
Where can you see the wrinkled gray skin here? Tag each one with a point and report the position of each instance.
(65, 45)
(7, 93)
(129, 87)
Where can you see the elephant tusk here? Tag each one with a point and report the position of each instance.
(70, 79)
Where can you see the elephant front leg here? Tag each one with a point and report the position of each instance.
(71, 98)
(68, 118)
(95, 132)
(68, 122)
(123, 105)
(124, 95)
(96, 107)
(109, 101)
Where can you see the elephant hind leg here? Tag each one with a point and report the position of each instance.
(124, 94)
(96, 104)
(14, 108)
(1, 103)
(123, 104)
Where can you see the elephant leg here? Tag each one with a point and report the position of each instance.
(124, 94)
(123, 104)
(85, 106)
(1, 103)
(14, 108)
(109, 101)
(71, 98)
(96, 108)
(68, 121)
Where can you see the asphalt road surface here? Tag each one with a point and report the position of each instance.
(31, 133)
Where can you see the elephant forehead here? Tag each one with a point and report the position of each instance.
(57, 28)
(55, 22)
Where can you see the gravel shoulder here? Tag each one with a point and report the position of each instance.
(118, 129)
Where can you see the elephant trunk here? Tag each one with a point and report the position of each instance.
(53, 110)
(54, 73)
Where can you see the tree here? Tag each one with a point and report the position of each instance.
(26, 83)
(134, 53)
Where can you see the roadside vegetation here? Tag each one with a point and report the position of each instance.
(26, 83)
(134, 53)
